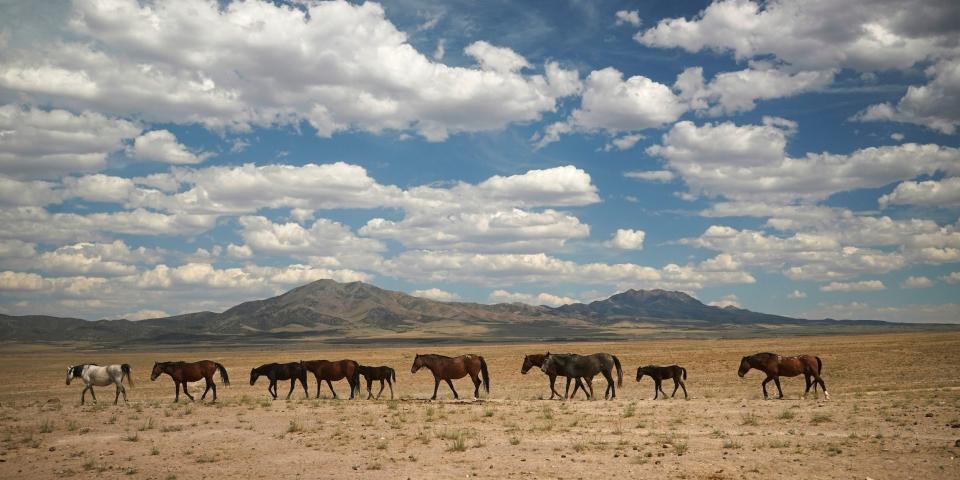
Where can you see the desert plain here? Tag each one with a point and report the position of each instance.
(894, 414)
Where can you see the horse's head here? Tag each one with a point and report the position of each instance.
(640, 372)
(253, 376)
(744, 367)
(547, 363)
(528, 363)
(70, 375)
(157, 370)
(417, 364)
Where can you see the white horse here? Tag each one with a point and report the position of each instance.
(95, 375)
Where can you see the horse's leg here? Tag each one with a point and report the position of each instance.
(660, 386)
(676, 385)
(553, 382)
(123, 390)
(206, 388)
(454, 390)
(390, 382)
(611, 386)
(213, 387)
(764, 386)
(186, 392)
(381, 389)
(476, 386)
(117, 397)
(436, 385)
(331, 389)
(370, 388)
(822, 385)
(807, 381)
(589, 384)
(656, 391)
(94, 395)
(776, 381)
(566, 391)
(176, 397)
(83, 394)
(684, 387)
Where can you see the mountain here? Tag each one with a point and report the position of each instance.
(333, 312)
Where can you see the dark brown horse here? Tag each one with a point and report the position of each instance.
(325, 370)
(536, 360)
(659, 374)
(281, 371)
(382, 373)
(586, 367)
(447, 368)
(183, 372)
(776, 366)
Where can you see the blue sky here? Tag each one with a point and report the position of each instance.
(798, 158)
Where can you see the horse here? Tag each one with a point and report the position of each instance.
(183, 372)
(586, 366)
(94, 375)
(281, 371)
(776, 366)
(334, 371)
(447, 368)
(536, 360)
(378, 373)
(658, 374)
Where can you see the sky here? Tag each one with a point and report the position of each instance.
(790, 157)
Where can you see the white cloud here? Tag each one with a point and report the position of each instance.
(797, 295)
(436, 294)
(144, 315)
(897, 136)
(953, 278)
(627, 239)
(336, 65)
(36, 142)
(21, 281)
(162, 146)
(625, 142)
(733, 92)
(917, 282)
(15, 192)
(324, 238)
(503, 296)
(726, 301)
(815, 34)
(750, 162)
(861, 286)
(630, 17)
(663, 176)
(931, 193)
(935, 105)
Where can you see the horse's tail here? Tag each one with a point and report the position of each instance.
(616, 362)
(819, 365)
(684, 370)
(223, 374)
(125, 368)
(485, 374)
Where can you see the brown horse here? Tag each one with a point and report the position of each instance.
(382, 373)
(776, 366)
(536, 360)
(325, 370)
(659, 374)
(183, 372)
(447, 368)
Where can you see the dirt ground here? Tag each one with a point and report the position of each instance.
(894, 413)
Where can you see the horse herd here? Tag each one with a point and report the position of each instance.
(580, 369)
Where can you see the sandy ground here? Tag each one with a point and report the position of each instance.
(895, 413)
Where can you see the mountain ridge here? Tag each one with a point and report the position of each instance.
(326, 310)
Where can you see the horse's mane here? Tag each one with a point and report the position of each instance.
(762, 355)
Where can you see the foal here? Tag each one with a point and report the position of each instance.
(281, 371)
(659, 374)
(382, 373)
(95, 375)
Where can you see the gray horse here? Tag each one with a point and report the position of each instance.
(586, 367)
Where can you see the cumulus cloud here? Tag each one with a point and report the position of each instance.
(861, 286)
(162, 146)
(749, 162)
(47, 143)
(733, 92)
(816, 34)
(953, 278)
(630, 17)
(797, 295)
(335, 65)
(663, 176)
(917, 282)
(627, 239)
(436, 294)
(935, 105)
(726, 301)
(503, 296)
(911, 313)
(930, 193)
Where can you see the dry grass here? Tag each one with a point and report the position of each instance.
(725, 427)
